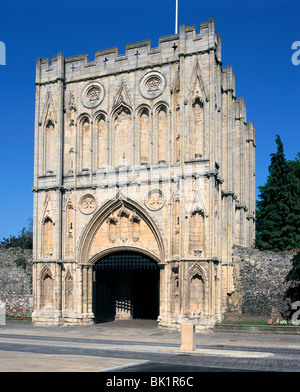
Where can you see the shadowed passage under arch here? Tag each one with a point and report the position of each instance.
(125, 286)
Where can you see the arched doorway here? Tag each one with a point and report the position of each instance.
(125, 286)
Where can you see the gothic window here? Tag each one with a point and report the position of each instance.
(196, 238)
(197, 141)
(46, 288)
(101, 141)
(122, 136)
(71, 160)
(47, 237)
(144, 134)
(85, 144)
(162, 133)
(49, 146)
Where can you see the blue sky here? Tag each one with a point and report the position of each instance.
(257, 37)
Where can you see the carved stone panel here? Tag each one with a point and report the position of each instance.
(152, 85)
(155, 200)
(88, 204)
(92, 95)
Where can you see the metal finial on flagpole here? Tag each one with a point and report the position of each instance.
(176, 18)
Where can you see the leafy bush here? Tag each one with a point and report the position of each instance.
(21, 262)
(23, 240)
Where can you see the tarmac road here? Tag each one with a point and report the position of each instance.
(139, 346)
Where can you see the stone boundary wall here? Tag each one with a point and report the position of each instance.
(259, 281)
(15, 281)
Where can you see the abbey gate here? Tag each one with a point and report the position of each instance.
(143, 182)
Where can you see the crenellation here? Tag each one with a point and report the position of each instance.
(251, 132)
(146, 45)
(191, 29)
(219, 49)
(168, 50)
(106, 52)
(240, 109)
(228, 80)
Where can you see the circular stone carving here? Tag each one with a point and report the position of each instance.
(87, 204)
(152, 85)
(92, 95)
(155, 200)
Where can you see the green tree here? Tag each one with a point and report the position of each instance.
(293, 292)
(23, 240)
(295, 165)
(278, 206)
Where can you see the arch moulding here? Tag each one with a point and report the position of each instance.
(89, 251)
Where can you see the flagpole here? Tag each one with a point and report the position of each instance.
(176, 18)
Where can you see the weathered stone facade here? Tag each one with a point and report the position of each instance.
(143, 161)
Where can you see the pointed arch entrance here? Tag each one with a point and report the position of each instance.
(125, 286)
(122, 258)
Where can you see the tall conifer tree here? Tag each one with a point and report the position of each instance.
(295, 165)
(278, 207)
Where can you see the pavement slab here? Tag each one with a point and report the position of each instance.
(139, 347)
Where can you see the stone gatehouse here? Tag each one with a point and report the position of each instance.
(144, 179)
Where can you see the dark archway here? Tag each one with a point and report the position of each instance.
(125, 286)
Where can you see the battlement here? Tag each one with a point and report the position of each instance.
(137, 55)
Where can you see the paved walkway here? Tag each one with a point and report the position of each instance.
(121, 345)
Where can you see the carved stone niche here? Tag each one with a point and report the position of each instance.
(196, 293)
(46, 281)
(124, 230)
(136, 223)
(197, 252)
(113, 229)
(69, 287)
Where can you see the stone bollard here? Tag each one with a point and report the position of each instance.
(2, 313)
(188, 337)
